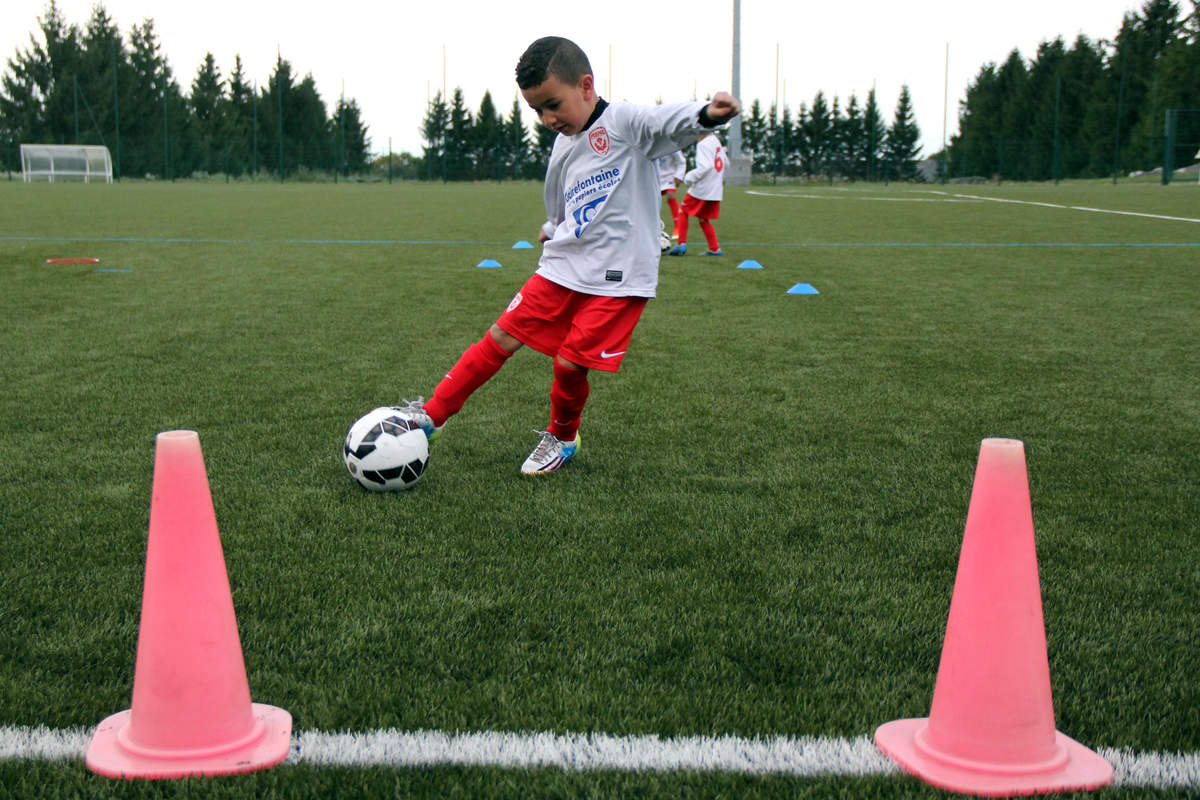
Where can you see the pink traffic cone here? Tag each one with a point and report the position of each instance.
(191, 712)
(991, 730)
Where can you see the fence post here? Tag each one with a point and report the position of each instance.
(1168, 166)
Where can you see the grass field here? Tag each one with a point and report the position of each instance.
(758, 539)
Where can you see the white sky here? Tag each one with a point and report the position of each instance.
(388, 56)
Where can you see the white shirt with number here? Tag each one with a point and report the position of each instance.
(707, 180)
(602, 198)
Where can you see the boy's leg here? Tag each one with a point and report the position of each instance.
(681, 226)
(710, 235)
(673, 204)
(477, 365)
(568, 394)
(600, 333)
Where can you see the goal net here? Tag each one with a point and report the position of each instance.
(72, 162)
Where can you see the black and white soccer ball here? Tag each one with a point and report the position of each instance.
(386, 451)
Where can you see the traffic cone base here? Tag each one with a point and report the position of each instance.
(1073, 767)
(112, 754)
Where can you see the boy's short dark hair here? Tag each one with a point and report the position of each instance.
(552, 55)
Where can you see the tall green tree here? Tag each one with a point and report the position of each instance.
(851, 140)
(901, 149)
(487, 136)
(818, 135)
(754, 134)
(33, 76)
(543, 143)
(1043, 98)
(459, 140)
(238, 113)
(516, 143)
(874, 137)
(207, 104)
(348, 135)
(435, 126)
(1015, 116)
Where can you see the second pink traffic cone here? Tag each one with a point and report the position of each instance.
(991, 728)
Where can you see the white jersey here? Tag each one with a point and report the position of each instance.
(670, 169)
(602, 198)
(707, 180)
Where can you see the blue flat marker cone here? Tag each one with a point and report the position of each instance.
(489, 262)
(803, 288)
(751, 264)
(522, 245)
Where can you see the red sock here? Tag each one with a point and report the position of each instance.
(681, 226)
(480, 362)
(567, 396)
(710, 233)
(673, 204)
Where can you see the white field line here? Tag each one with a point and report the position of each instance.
(804, 756)
(1070, 208)
(860, 197)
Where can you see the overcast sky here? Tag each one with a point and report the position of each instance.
(388, 56)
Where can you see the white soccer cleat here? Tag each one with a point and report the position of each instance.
(550, 454)
(415, 410)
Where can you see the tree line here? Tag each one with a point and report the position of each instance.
(92, 86)
(1093, 109)
(822, 140)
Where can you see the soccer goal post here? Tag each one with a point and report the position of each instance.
(73, 162)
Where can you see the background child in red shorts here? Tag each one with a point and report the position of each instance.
(706, 185)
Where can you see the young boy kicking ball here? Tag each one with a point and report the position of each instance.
(600, 254)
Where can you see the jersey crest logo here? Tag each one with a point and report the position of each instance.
(598, 139)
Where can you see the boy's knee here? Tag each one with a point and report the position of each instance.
(568, 363)
(507, 342)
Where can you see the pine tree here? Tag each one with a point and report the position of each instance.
(458, 140)
(901, 149)
(1082, 74)
(207, 105)
(434, 127)
(1014, 117)
(543, 143)
(851, 141)
(874, 136)
(516, 143)
(29, 80)
(238, 114)
(1043, 99)
(819, 135)
(349, 137)
(754, 131)
(487, 135)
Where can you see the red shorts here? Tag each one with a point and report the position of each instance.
(586, 329)
(704, 209)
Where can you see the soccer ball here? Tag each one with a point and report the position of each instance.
(386, 451)
(664, 241)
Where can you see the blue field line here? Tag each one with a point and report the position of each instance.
(463, 242)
